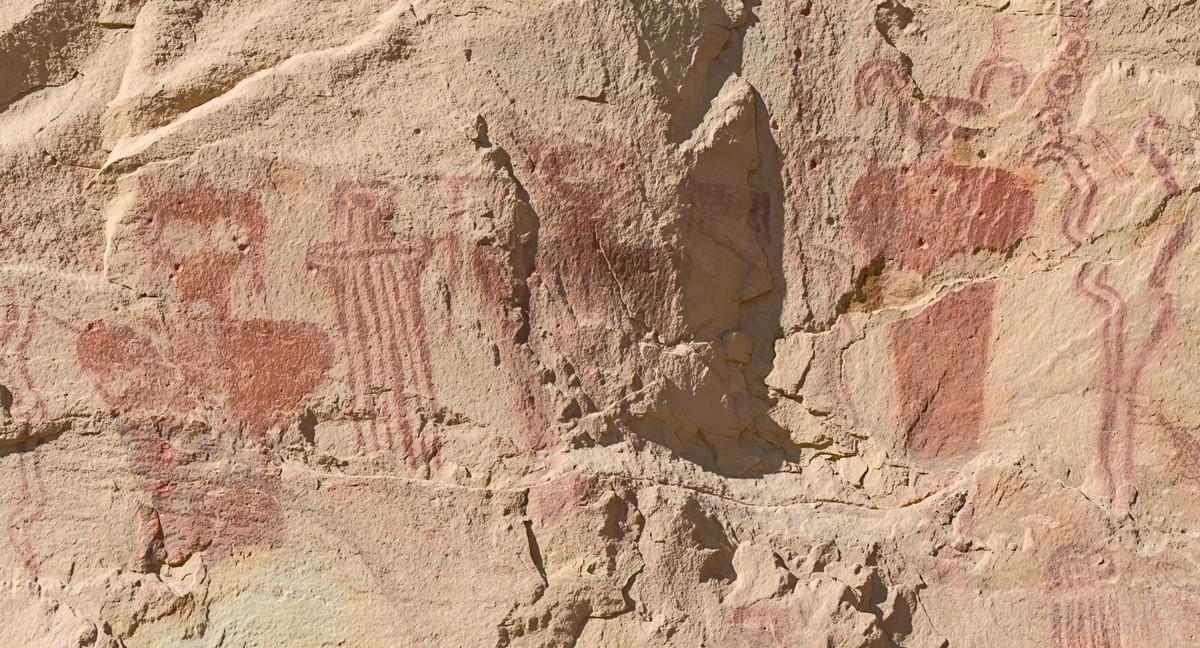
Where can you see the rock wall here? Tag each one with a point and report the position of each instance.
(722, 323)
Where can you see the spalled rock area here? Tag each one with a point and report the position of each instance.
(554, 323)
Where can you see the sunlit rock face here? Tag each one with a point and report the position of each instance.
(585, 323)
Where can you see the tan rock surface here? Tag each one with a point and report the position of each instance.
(853, 323)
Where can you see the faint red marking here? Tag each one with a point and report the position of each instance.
(1073, 565)
(586, 193)
(1121, 375)
(1187, 449)
(204, 276)
(810, 245)
(1092, 283)
(998, 69)
(1160, 163)
(208, 489)
(375, 269)
(30, 508)
(1087, 622)
(601, 279)
(210, 484)
(1084, 610)
(762, 624)
(1164, 320)
(563, 497)
(375, 280)
(20, 323)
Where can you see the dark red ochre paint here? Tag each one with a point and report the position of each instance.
(918, 217)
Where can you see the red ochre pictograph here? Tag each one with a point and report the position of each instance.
(195, 392)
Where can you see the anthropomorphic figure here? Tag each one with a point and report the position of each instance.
(195, 391)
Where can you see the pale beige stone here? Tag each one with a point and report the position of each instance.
(587, 323)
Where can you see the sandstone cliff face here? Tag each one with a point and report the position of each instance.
(852, 323)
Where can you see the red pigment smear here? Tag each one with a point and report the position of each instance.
(920, 216)
(211, 484)
(941, 359)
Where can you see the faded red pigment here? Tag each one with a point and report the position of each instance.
(916, 216)
(586, 191)
(563, 497)
(763, 624)
(375, 281)
(380, 270)
(941, 358)
(1086, 609)
(919, 216)
(23, 399)
(208, 490)
(195, 393)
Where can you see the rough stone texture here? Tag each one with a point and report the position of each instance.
(853, 323)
